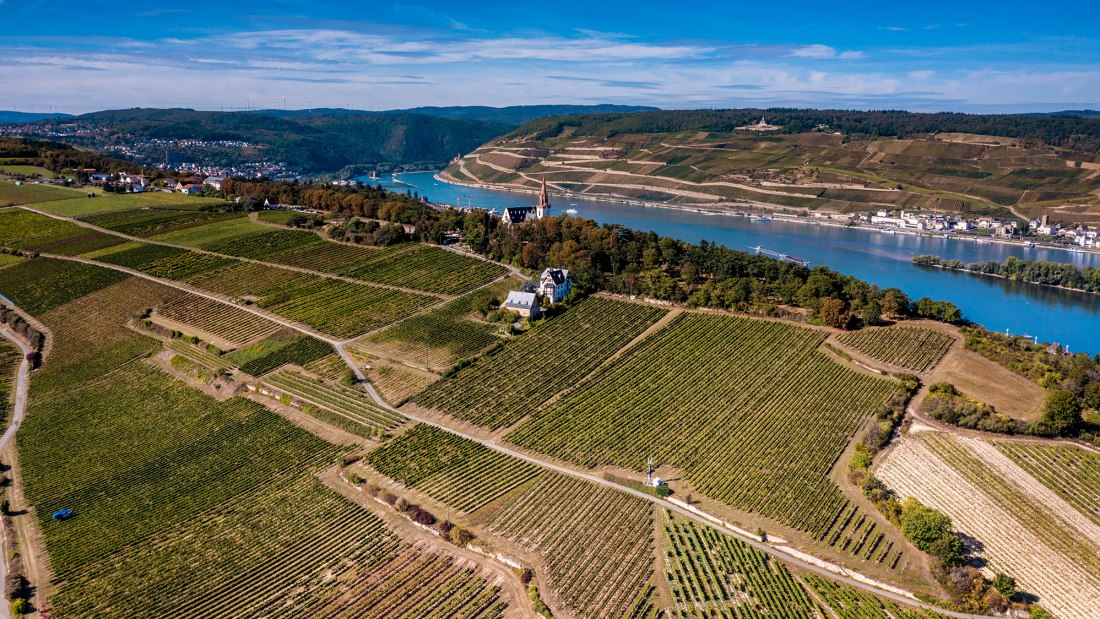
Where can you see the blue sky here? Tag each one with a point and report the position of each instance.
(927, 56)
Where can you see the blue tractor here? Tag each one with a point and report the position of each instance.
(63, 514)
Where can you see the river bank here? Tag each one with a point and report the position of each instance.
(723, 209)
(1004, 277)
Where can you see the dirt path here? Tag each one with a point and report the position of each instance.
(511, 587)
(821, 568)
(19, 408)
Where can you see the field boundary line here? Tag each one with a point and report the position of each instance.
(19, 409)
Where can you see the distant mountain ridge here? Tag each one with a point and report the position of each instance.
(11, 117)
(307, 141)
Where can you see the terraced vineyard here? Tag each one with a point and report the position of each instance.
(10, 358)
(597, 542)
(351, 404)
(11, 194)
(232, 324)
(1071, 472)
(502, 388)
(914, 348)
(459, 472)
(752, 413)
(444, 335)
(715, 575)
(1025, 529)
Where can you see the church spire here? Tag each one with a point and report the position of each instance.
(544, 201)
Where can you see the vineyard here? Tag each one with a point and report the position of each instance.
(1024, 529)
(453, 470)
(914, 348)
(78, 204)
(597, 542)
(752, 413)
(340, 308)
(500, 389)
(202, 357)
(10, 358)
(42, 284)
(848, 603)
(330, 400)
(194, 523)
(29, 231)
(444, 335)
(12, 194)
(432, 269)
(147, 222)
(714, 575)
(1071, 472)
(286, 549)
(221, 320)
(282, 347)
(397, 382)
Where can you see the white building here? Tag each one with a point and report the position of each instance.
(525, 304)
(214, 181)
(555, 284)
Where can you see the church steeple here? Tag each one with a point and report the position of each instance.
(544, 202)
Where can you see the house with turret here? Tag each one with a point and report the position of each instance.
(555, 284)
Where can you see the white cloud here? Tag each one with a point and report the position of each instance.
(823, 52)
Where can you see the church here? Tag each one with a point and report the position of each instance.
(519, 214)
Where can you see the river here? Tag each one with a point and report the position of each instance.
(1064, 316)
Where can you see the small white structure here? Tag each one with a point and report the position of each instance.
(525, 304)
(555, 284)
(214, 181)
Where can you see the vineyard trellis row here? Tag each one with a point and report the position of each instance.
(1070, 471)
(221, 320)
(456, 471)
(750, 410)
(917, 349)
(351, 404)
(501, 388)
(446, 334)
(597, 542)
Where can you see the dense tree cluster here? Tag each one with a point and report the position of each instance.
(945, 403)
(1072, 381)
(1031, 271)
(1076, 132)
(59, 157)
(34, 338)
(618, 259)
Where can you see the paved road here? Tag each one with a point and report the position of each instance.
(19, 408)
(755, 543)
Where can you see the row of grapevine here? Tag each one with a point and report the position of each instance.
(25, 230)
(914, 348)
(750, 411)
(432, 269)
(202, 357)
(454, 470)
(849, 603)
(146, 222)
(344, 401)
(857, 533)
(10, 358)
(1045, 544)
(189, 507)
(221, 320)
(500, 389)
(397, 382)
(277, 350)
(330, 367)
(41, 284)
(1070, 471)
(341, 308)
(444, 335)
(597, 542)
(714, 575)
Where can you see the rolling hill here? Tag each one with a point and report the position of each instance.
(831, 161)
